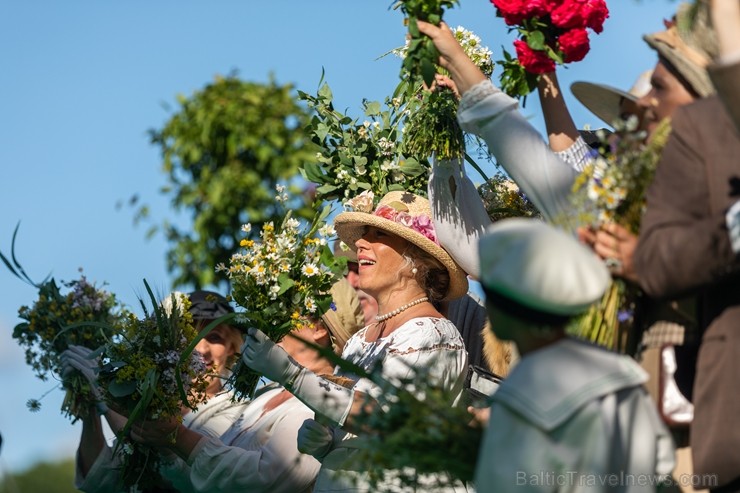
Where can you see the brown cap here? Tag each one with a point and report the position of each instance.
(689, 45)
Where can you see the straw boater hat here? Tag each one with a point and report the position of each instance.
(689, 45)
(345, 316)
(410, 217)
(605, 101)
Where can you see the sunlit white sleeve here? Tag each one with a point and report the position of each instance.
(519, 149)
(458, 213)
(261, 457)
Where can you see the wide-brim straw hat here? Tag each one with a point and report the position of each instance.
(689, 45)
(605, 101)
(411, 219)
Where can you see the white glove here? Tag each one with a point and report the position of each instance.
(315, 439)
(77, 359)
(322, 396)
(266, 357)
(733, 226)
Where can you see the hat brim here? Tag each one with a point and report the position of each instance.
(350, 225)
(600, 99)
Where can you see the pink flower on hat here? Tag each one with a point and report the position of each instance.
(424, 225)
(405, 219)
(386, 212)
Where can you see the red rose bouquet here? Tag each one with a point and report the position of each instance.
(551, 32)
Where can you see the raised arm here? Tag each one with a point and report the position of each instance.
(486, 111)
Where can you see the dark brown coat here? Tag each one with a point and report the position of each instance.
(726, 78)
(685, 248)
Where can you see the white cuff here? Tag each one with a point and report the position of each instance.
(732, 219)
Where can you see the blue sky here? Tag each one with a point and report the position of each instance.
(82, 81)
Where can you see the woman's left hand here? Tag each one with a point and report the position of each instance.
(616, 245)
(160, 433)
(264, 356)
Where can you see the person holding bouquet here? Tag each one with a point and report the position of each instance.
(546, 177)
(96, 464)
(403, 267)
(690, 243)
(571, 416)
(259, 451)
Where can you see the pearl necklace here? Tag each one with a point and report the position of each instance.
(380, 318)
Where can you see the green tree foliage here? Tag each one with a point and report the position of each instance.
(224, 151)
(57, 477)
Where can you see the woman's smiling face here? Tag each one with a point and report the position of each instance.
(216, 348)
(380, 259)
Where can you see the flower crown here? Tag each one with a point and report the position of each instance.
(396, 212)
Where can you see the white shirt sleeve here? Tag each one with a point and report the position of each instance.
(459, 215)
(103, 476)
(518, 148)
(733, 226)
(264, 457)
(577, 156)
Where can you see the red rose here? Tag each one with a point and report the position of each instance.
(534, 62)
(516, 11)
(570, 14)
(596, 13)
(574, 45)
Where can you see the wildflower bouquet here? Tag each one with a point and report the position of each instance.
(502, 198)
(359, 155)
(149, 372)
(282, 280)
(432, 127)
(612, 190)
(82, 314)
(550, 32)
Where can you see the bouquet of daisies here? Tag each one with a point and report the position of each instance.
(282, 280)
(550, 33)
(150, 372)
(69, 313)
(612, 190)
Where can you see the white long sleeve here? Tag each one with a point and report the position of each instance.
(458, 213)
(211, 419)
(259, 453)
(544, 176)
